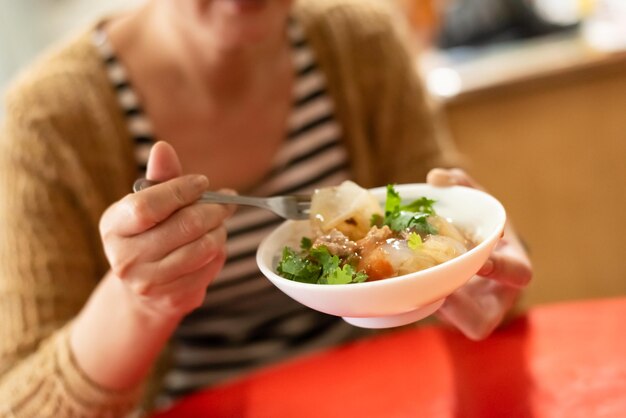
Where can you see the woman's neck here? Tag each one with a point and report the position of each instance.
(185, 56)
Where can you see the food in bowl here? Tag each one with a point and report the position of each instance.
(355, 240)
(408, 298)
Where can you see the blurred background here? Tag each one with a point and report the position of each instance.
(533, 92)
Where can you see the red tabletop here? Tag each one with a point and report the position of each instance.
(566, 360)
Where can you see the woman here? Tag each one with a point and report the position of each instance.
(260, 96)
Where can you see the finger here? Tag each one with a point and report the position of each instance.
(181, 262)
(191, 283)
(465, 314)
(183, 227)
(478, 308)
(199, 279)
(140, 211)
(188, 292)
(231, 208)
(191, 257)
(439, 177)
(442, 177)
(507, 269)
(163, 163)
(463, 179)
(194, 285)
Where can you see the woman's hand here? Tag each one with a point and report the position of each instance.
(478, 308)
(163, 247)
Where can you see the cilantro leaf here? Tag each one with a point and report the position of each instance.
(360, 277)
(340, 275)
(326, 260)
(306, 243)
(415, 241)
(417, 222)
(331, 272)
(423, 205)
(393, 202)
(377, 220)
(293, 266)
(347, 274)
(413, 216)
(316, 265)
(404, 220)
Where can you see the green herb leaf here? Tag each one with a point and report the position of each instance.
(318, 265)
(415, 241)
(345, 275)
(306, 243)
(326, 260)
(377, 220)
(411, 216)
(360, 277)
(393, 202)
(332, 271)
(295, 267)
(422, 205)
(340, 275)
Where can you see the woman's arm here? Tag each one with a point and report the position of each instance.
(56, 359)
(164, 251)
(49, 265)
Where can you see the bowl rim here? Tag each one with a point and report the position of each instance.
(497, 233)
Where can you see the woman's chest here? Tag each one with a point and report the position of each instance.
(234, 148)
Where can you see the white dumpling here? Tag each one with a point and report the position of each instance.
(446, 228)
(347, 208)
(442, 248)
(406, 260)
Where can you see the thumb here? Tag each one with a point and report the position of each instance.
(163, 163)
(441, 177)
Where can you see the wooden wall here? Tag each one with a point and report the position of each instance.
(553, 149)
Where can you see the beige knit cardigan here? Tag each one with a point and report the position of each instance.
(66, 154)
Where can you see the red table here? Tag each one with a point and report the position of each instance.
(565, 360)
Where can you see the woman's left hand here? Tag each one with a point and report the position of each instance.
(477, 308)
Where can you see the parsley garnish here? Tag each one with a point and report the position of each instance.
(414, 241)
(294, 266)
(306, 243)
(377, 220)
(412, 216)
(316, 265)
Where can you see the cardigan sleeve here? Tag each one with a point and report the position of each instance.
(409, 132)
(50, 262)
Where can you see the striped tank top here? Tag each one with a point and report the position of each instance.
(245, 322)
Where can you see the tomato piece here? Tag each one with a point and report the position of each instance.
(378, 268)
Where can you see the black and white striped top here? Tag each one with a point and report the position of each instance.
(245, 322)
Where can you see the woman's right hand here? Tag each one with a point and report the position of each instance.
(163, 247)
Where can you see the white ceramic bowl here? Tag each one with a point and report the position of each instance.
(404, 299)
